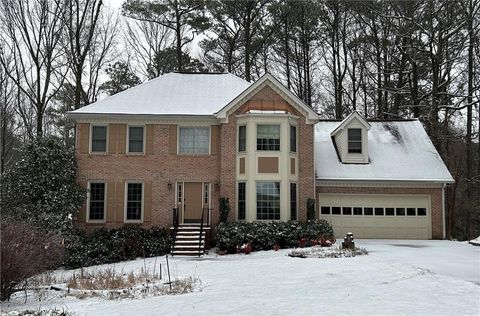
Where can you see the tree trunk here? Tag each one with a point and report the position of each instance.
(178, 33)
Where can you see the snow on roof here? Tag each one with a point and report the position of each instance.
(398, 150)
(172, 94)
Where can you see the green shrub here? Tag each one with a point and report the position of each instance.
(224, 209)
(106, 246)
(264, 235)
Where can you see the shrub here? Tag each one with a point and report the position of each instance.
(270, 235)
(107, 246)
(25, 252)
(40, 189)
(224, 209)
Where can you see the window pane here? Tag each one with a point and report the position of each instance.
(336, 210)
(347, 211)
(134, 201)
(400, 211)
(293, 201)
(357, 211)
(379, 211)
(422, 211)
(354, 140)
(97, 201)
(389, 211)
(325, 210)
(293, 139)
(268, 137)
(410, 211)
(194, 140)
(242, 138)
(99, 139)
(268, 200)
(241, 200)
(135, 139)
(368, 211)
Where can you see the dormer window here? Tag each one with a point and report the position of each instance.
(354, 141)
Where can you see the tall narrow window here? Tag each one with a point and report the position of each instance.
(293, 139)
(206, 193)
(268, 200)
(293, 201)
(134, 201)
(268, 137)
(241, 201)
(194, 140)
(242, 138)
(355, 140)
(135, 139)
(99, 139)
(179, 193)
(96, 205)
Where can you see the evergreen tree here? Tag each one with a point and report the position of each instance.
(121, 78)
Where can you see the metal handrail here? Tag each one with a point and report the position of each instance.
(201, 233)
(175, 223)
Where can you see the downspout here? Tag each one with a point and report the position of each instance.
(443, 212)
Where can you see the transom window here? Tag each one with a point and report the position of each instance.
(268, 200)
(96, 206)
(293, 139)
(135, 139)
(99, 139)
(242, 138)
(354, 140)
(134, 201)
(268, 137)
(241, 200)
(194, 140)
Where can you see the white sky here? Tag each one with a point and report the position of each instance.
(116, 4)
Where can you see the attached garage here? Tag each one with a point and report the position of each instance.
(389, 216)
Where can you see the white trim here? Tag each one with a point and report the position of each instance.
(88, 220)
(127, 149)
(91, 139)
(125, 202)
(195, 126)
(381, 182)
(348, 119)
(311, 116)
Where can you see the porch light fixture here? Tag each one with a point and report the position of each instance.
(216, 185)
(169, 185)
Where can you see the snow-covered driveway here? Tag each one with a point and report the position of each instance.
(392, 280)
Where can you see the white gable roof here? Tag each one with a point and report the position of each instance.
(398, 151)
(172, 94)
(348, 119)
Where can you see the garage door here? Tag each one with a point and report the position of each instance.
(377, 216)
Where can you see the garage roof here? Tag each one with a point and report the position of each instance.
(398, 151)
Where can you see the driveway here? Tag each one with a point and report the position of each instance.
(456, 259)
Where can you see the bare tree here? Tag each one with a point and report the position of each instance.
(32, 33)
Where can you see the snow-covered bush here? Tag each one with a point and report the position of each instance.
(269, 235)
(106, 246)
(336, 252)
(25, 252)
(40, 189)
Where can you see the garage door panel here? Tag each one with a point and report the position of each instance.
(379, 226)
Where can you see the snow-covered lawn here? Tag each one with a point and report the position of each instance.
(397, 277)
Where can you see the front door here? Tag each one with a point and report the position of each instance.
(192, 202)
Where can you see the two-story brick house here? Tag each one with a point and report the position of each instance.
(185, 140)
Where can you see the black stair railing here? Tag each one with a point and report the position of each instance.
(175, 223)
(201, 233)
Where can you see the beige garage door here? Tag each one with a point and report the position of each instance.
(377, 216)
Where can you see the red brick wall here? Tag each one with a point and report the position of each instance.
(434, 193)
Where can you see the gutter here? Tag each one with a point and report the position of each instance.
(444, 222)
(128, 116)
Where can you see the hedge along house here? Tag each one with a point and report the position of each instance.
(182, 141)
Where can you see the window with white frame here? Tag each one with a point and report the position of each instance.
(241, 200)
(194, 140)
(134, 203)
(99, 139)
(268, 137)
(268, 200)
(135, 139)
(242, 138)
(293, 201)
(96, 201)
(355, 140)
(293, 138)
